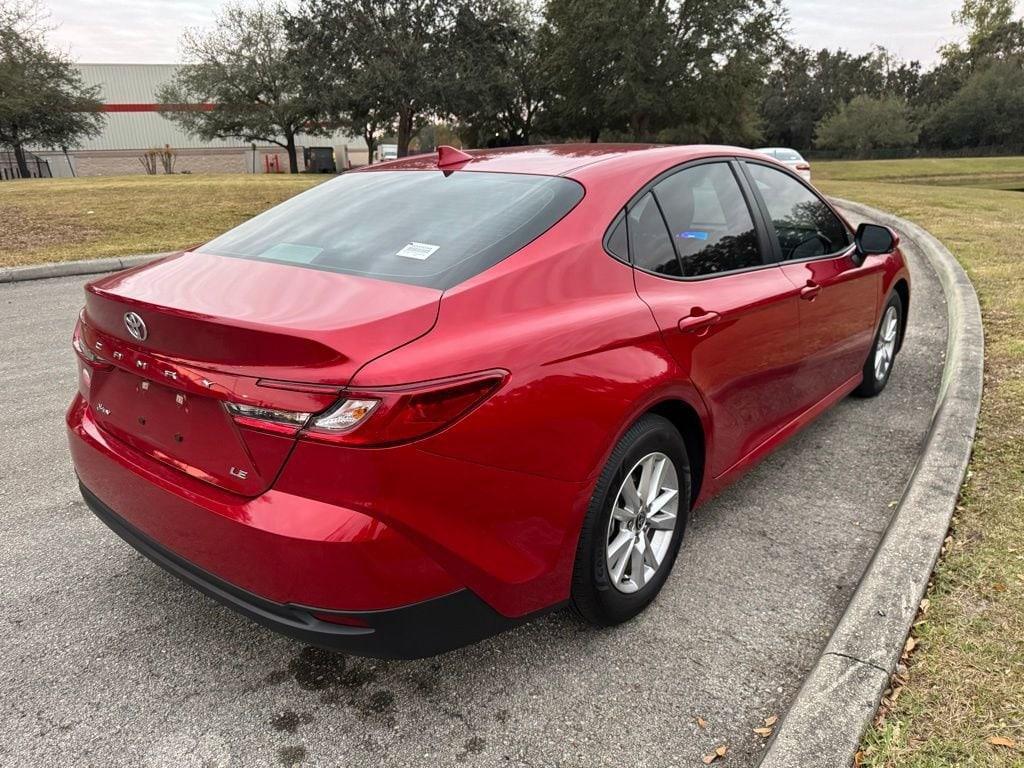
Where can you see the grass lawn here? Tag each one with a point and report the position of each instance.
(66, 219)
(963, 699)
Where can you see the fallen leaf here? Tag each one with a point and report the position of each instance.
(766, 732)
(858, 759)
(911, 645)
(718, 754)
(924, 605)
(1002, 741)
(999, 586)
(701, 722)
(771, 720)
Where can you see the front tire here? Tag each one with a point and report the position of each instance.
(634, 524)
(878, 366)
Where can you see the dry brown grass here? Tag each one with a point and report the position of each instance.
(45, 220)
(965, 683)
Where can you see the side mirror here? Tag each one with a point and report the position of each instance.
(874, 240)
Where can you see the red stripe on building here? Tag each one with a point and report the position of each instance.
(157, 107)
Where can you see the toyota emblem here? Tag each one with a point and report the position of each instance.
(136, 325)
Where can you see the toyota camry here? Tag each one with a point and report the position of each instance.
(429, 399)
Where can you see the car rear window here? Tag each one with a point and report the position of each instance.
(787, 155)
(422, 227)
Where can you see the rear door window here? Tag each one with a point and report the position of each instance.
(806, 227)
(709, 220)
(421, 227)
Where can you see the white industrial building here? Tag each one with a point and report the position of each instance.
(135, 125)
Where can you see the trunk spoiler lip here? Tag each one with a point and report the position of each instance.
(218, 384)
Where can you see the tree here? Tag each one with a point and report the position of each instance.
(803, 87)
(866, 123)
(723, 48)
(606, 62)
(992, 32)
(525, 93)
(492, 87)
(43, 100)
(987, 111)
(952, 108)
(643, 67)
(241, 83)
(387, 54)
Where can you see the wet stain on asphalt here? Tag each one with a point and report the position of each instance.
(378, 707)
(289, 721)
(338, 679)
(277, 677)
(291, 755)
(316, 669)
(473, 746)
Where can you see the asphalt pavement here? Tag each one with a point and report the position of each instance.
(106, 660)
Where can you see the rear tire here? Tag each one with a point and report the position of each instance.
(623, 559)
(878, 367)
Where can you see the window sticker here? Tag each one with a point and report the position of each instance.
(418, 251)
(693, 234)
(292, 252)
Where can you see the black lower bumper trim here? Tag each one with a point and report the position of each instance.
(410, 632)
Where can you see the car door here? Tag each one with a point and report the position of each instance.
(839, 294)
(729, 318)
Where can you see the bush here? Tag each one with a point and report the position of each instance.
(867, 123)
(988, 110)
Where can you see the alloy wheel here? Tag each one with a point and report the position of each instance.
(885, 349)
(642, 522)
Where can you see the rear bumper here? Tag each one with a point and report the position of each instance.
(412, 631)
(405, 559)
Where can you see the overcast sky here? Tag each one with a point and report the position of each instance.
(147, 31)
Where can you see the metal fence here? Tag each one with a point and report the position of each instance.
(38, 168)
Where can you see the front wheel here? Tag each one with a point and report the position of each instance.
(878, 366)
(634, 524)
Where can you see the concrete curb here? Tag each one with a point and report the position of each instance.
(85, 267)
(826, 720)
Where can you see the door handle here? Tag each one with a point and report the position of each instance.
(810, 291)
(698, 321)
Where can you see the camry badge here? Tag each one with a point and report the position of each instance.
(136, 325)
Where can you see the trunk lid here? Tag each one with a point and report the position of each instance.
(221, 329)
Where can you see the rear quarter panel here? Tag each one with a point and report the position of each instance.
(582, 349)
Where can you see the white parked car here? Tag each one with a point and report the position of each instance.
(789, 157)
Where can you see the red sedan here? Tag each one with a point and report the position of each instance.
(427, 400)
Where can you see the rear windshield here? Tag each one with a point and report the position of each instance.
(418, 227)
(787, 155)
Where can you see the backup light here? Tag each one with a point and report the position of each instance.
(345, 415)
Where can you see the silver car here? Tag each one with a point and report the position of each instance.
(789, 157)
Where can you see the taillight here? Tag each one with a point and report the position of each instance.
(803, 166)
(390, 415)
(267, 419)
(88, 361)
(86, 354)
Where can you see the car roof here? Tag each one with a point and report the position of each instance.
(573, 160)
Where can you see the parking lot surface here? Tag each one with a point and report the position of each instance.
(106, 660)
